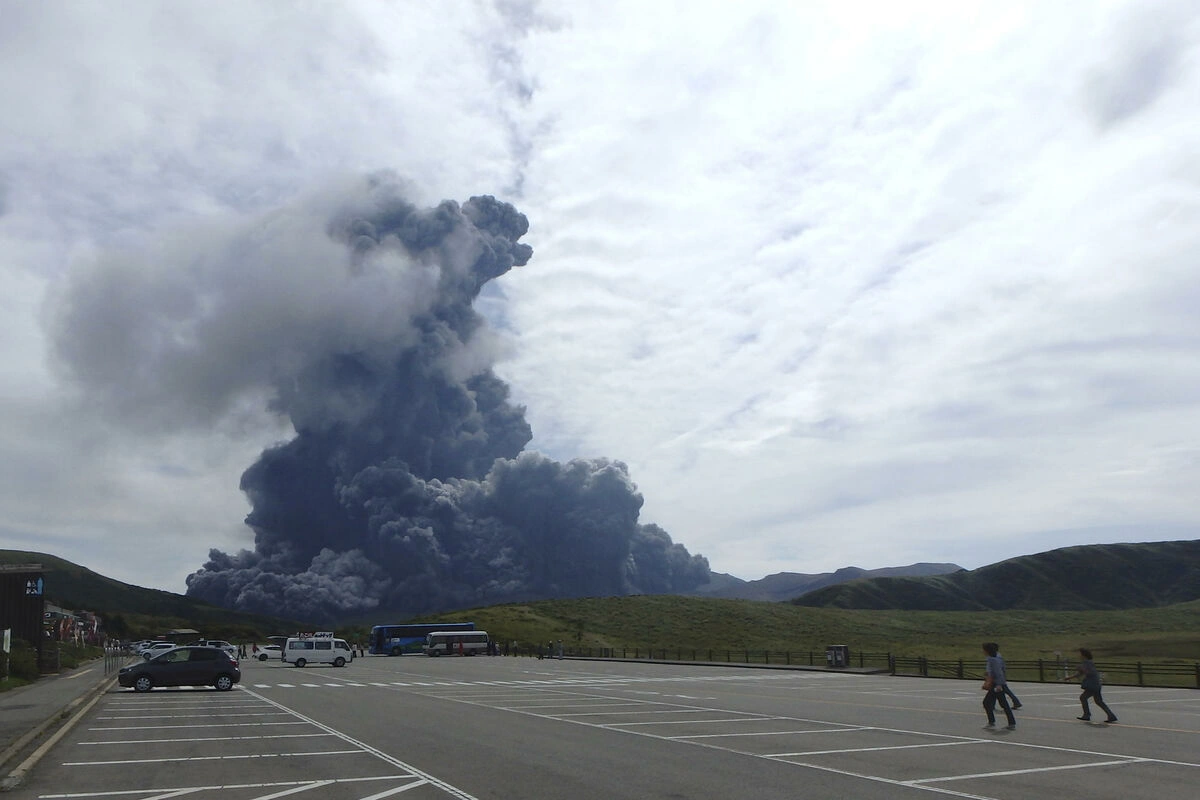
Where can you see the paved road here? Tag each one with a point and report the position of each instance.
(522, 728)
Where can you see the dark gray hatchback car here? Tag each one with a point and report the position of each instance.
(183, 666)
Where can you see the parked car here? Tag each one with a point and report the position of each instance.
(183, 666)
(221, 643)
(155, 648)
(267, 652)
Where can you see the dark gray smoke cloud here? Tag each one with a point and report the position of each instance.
(406, 487)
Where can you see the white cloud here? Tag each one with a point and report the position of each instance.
(862, 283)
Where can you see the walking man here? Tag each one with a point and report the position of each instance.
(1016, 701)
(1089, 681)
(993, 684)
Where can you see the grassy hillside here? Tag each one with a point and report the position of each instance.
(664, 621)
(1115, 576)
(136, 611)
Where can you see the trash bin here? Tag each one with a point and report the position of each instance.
(837, 655)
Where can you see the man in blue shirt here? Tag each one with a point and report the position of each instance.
(994, 684)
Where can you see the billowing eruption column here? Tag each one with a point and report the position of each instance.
(406, 487)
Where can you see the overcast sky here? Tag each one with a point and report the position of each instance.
(842, 284)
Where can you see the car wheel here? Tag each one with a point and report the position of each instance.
(143, 683)
(396, 651)
(300, 662)
(223, 683)
(339, 662)
(262, 657)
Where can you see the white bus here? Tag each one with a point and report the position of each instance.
(452, 643)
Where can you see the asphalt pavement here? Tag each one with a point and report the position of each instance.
(30, 716)
(476, 728)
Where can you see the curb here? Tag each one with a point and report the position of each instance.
(14, 778)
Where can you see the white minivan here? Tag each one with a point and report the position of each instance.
(317, 648)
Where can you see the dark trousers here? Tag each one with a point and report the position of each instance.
(989, 705)
(1094, 694)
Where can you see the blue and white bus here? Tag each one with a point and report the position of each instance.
(396, 640)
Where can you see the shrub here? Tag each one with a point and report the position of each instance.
(22, 661)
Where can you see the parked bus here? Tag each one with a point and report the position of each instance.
(456, 643)
(395, 640)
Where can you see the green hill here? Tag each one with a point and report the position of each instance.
(1089, 577)
(136, 611)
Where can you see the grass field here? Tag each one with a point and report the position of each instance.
(1171, 633)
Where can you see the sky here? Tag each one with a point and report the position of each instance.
(840, 283)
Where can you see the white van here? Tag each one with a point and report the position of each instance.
(455, 643)
(317, 648)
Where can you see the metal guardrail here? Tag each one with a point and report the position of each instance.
(1166, 674)
(1115, 673)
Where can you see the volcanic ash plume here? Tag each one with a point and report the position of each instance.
(406, 487)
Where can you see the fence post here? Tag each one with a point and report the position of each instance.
(787, 657)
(1140, 683)
(1041, 672)
(960, 668)
(891, 663)
(810, 658)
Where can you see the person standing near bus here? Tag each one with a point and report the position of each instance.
(993, 684)
(1089, 681)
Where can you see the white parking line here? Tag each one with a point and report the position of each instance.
(164, 793)
(871, 749)
(190, 716)
(682, 721)
(244, 757)
(209, 739)
(1116, 763)
(767, 733)
(190, 727)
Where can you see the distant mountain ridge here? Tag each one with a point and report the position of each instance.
(783, 586)
(1084, 577)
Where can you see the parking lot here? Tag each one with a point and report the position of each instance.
(517, 727)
